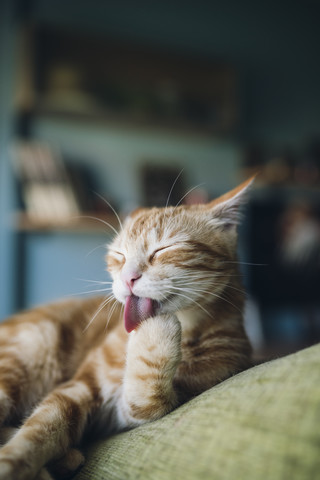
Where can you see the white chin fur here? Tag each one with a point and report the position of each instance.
(120, 291)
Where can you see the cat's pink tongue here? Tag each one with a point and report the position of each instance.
(136, 310)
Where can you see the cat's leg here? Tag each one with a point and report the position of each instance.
(6, 433)
(13, 378)
(153, 354)
(30, 352)
(62, 468)
(55, 425)
(41, 348)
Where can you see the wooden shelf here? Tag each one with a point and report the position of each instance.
(88, 222)
(87, 78)
(105, 119)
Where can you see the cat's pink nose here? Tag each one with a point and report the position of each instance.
(129, 277)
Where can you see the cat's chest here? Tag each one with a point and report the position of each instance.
(198, 344)
(191, 348)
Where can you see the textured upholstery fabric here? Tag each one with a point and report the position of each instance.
(261, 424)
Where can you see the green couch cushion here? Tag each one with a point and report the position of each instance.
(261, 424)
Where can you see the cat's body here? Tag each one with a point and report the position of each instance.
(175, 271)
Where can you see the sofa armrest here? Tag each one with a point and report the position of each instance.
(260, 424)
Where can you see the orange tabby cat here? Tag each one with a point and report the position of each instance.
(180, 332)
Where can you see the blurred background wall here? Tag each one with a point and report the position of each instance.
(118, 97)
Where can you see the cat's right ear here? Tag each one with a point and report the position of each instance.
(225, 210)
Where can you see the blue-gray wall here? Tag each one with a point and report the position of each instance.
(7, 196)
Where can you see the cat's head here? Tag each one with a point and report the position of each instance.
(171, 259)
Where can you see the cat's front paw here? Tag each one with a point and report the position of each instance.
(165, 329)
(153, 354)
(156, 343)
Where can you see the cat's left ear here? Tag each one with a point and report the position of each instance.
(225, 210)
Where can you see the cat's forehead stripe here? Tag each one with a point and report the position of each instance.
(147, 223)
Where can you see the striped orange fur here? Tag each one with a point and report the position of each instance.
(172, 328)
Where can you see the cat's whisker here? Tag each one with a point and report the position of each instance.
(111, 311)
(182, 283)
(88, 292)
(204, 278)
(224, 299)
(248, 263)
(231, 287)
(171, 217)
(99, 290)
(172, 187)
(214, 284)
(103, 304)
(207, 293)
(101, 221)
(109, 205)
(212, 278)
(228, 301)
(225, 292)
(100, 282)
(110, 315)
(122, 311)
(214, 272)
(107, 287)
(166, 299)
(186, 194)
(95, 248)
(193, 301)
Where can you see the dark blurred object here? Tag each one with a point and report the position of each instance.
(45, 189)
(283, 271)
(74, 74)
(162, 185)
(299, 238)
(283, 244)
(84, 185)
(284, 241)
(307, 171)
(286, 168)
(253, 160)
(279, 170)
(53, 189)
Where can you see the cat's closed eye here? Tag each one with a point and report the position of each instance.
(159, 251)
(116, 259)
(117, 254)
